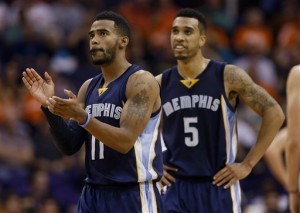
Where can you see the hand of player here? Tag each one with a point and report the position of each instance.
(67, 108)
(168, 179)
(41, 89)
(294, 202)
(230, 174)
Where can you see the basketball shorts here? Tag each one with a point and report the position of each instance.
(201, 197)
(134, 198)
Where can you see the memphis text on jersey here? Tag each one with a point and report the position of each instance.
(193, 101)
(105, 110)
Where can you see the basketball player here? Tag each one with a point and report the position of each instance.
(293, 138)
(199, 102)
(288, 140)
(117, 115)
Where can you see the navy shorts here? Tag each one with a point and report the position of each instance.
(201, 197)
(134, 198)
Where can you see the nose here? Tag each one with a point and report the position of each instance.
(94, 40)
(178, 37)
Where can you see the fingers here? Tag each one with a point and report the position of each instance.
(165, 181)
(26, 83)
(69, 93)
(30, 76)
(48, 79)
(224, 176)
(170, 168)
(57, 105)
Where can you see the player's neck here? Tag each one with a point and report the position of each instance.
(114, 70)
(193, 67)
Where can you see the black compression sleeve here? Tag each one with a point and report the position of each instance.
(68, 137)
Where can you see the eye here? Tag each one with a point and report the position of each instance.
(91, 36)
(103, 33)
(175, 31)
(188, 32)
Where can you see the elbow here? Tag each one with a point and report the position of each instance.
(292, 145)
(125, 149)
(67, 151)
(126, 146)
(279, 116)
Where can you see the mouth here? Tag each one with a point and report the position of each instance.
(95, 50)
(178, 47)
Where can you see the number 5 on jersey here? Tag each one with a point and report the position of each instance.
(193, 140)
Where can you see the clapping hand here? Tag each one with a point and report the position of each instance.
(41, 89)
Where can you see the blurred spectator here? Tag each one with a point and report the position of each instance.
(65, 12)
(264, 40)
(253, 30)
(16, 147)
(257, 63)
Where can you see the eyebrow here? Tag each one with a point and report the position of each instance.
(98, 30)
(185, 27)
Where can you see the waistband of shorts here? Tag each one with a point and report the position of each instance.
(118, 185)
(200, 179)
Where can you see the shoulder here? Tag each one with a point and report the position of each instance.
(142, 79)
(235, 77)
(293, 79)
(141, 75)
(165, 74)
(83, 89)
(294, 72)
(158, 78)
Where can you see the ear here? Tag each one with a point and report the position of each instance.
(202, 40)
(124, 42)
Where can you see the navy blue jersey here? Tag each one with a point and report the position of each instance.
(105, 165)
(199, 124)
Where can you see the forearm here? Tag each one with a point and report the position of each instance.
(272, 120)
(68, 138)
(275, 163)
(293, 164)
(114, 137)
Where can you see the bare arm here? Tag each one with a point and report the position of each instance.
(293, 144)
(274, 157)
(142, 93)
(238, 83)
(158, 78)
(142, 99)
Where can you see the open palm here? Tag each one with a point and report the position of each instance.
(41, 89)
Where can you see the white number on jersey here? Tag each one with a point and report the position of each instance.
(93, 149)
(193, 140)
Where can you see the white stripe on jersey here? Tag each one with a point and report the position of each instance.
(231, 149)
(144, 150)
(148, 197)
(235, 192)
(230, 131)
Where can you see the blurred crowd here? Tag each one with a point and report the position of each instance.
(261, 36)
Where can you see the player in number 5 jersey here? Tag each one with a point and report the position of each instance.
(199, 101)
(117, 115)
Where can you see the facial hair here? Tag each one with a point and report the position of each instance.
(109, 56)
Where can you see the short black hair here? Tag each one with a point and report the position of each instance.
(192, 13)
(120, 23)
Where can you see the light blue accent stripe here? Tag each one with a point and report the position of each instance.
(146, 139)
(231, 116)
(149, 196)
(237, 198)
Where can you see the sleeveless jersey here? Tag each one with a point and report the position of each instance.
(105, 165)
(199, 124)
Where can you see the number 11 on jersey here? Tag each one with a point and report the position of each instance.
(93, 148)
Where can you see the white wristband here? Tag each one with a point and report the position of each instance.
(87, 120)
